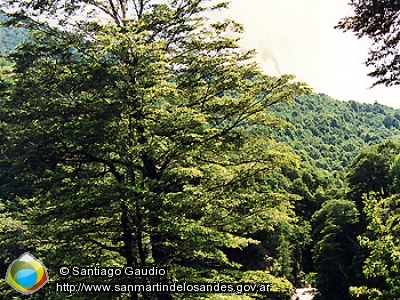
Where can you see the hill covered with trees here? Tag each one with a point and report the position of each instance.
(147, 142)
(329, 133)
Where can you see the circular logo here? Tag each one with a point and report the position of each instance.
(26, 274)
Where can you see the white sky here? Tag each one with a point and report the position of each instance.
(297, 37)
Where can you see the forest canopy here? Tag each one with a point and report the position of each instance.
(139, 134)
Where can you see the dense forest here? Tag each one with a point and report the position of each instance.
(152, 140)
(329, 133)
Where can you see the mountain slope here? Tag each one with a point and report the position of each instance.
(329, 133)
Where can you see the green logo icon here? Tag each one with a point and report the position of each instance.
(26, 274)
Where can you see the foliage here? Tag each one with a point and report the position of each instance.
(378, 20)
(373, 180)
(381, 266)
(334, 247)
(144, 140)
(394, 175)
(371, 171)
(329, 133)
(144, 136)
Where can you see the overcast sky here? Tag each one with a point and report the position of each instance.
(297, 37)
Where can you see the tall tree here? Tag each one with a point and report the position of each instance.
(381, 266)
(379, 21)
(143, 128)
(370, 171)
(334, 248)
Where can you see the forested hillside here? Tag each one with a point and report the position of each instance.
(329, 133)
(151, 141)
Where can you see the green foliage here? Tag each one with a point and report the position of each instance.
(394, 175)
(144, 142)
(329, 133)
(334, 247)
(371, 171)
(373, 179)
(151, 139)
(381, 267)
